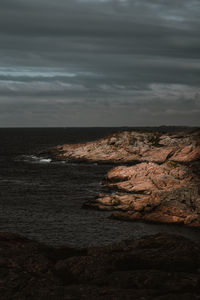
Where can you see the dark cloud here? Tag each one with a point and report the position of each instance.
(99, 62)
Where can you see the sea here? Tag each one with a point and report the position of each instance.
(42, 199)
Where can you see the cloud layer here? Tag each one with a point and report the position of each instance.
(99, 62)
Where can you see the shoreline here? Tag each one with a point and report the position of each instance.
(155, 178)
(161, 266)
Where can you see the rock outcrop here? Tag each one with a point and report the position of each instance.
(161, 185)
(133, 146)
(167, 193)
(164, 189)
(159, 267)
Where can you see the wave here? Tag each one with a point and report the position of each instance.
(35, 159)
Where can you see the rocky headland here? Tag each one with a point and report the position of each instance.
(133, 147)
(157, 178)
(159, 267)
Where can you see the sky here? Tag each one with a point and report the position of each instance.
(69, 63)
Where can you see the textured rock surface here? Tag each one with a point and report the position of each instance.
(131, 146)
(152, 268)
(167, 193)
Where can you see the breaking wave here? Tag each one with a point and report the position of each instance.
(35, 159)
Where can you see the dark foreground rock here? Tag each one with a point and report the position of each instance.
(159, 267)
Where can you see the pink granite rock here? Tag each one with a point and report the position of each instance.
(132, 146)
(164, 185)
(167, 193)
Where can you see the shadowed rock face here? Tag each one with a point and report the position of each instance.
(152, 268)
(162, 185)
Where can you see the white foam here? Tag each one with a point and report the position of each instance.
(45, 160)
(36, 159)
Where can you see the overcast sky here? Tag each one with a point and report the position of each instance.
(99, 62)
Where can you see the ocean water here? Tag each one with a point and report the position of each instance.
(41, 199)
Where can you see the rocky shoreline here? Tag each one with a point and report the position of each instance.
(130, 147)
(157, 180)
(158, 267)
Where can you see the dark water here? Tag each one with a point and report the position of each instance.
(42, 200)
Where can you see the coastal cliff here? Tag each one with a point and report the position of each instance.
(158, 180)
